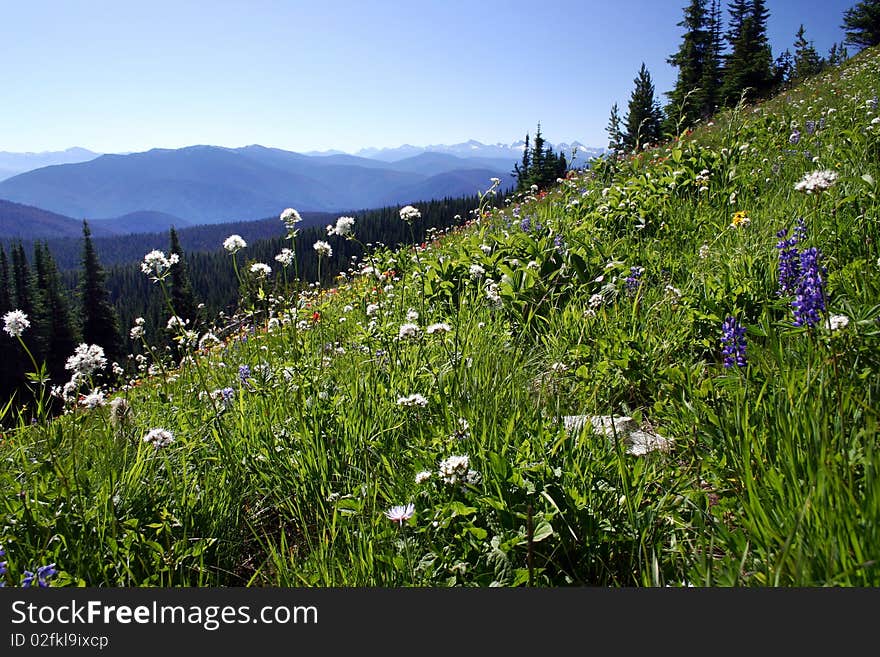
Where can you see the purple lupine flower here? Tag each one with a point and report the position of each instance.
(794, 137)
(559, 243)
(42, 576)
(733, 343)
(810, 127)
(526, 224)
(634, 279)
(227, 395)
(3, 568)
(800, 230)
(789, 262)
(244, 373)
(809, 299)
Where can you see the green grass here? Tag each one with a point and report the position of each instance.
(772, 479)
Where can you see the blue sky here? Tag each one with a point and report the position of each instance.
(119, 75)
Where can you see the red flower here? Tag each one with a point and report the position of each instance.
(316, 317)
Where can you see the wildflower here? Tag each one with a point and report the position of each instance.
(93, 399)
(408, 331)
(401, 514)
(837, 322)
(476, 271)
(372, 309)
(234, 243)
(817, 181)
(344, 226)
(157, 266)
(86, 360)
(634, 279)
(733, 342)
(408, 213)
(291, 218)
(208, 340)
(485, 248)
(794, 137)
(322, 248)
(285, 257)
(3, 568)
(412, 315)
(175, 322)
(15, 322)
(526, 224)
(423, 476)
(809, 298)
(137, 331)
(261, 270)
(413, 400)
(789, 266)
(704, 252)
(454, 469)
(740, 219)
(42, 576)
(159, 438)
(244, 373)
(438, 328)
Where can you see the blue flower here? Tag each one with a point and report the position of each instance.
(733, 343)
(244, 373)
(42, 576)
(634, 279)
(809, 299)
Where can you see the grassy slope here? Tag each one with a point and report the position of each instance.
(771, 481)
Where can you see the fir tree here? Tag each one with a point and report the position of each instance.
(182, 298)
(711, 80)
(9, 349)
(61, 338)
(643, 116)
(748, 67)
(98, 318)
(806, 60)
(783, 68)
(615, 132)
(521, 170)
(862, 24)
(686, 100)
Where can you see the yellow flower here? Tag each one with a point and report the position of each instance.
(740, 219)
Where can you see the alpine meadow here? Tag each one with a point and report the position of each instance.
(658, 368)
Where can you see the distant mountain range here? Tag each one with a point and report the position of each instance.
(12, 164)
(152, 190)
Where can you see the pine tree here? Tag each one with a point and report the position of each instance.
(521, 170)
(711, 80)
(61, 337)
(5, 291)
(182, 298)
(862, 24)
(748, 66)
(9, 350)
(614, 130)
(643, 116)
(98, 318)
(783, 68)
(686, 100)
(806, 60)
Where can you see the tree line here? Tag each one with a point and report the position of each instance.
(719, 66)
(98, 305)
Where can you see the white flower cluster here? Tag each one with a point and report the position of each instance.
(322, 248)
(15, 322)
(409, 331)
(817, 181)
(291, 218)
(408, 213)
(137, 331)
(285, 257)
(157, 265)
(441, 327)
(344, 227)
(234, 243)
(261, 270)
(413, 400)
(456, 469)
(86, 360)
(159, 438)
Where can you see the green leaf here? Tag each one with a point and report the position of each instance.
(542, 531)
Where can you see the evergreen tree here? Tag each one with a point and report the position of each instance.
(862, 24)
(182, 298)
(711, 80)
(643, 116)
(98, 318)
(61, 338)
(521, 170)
(806, 60)
(783, 68)
(686, 100)
(615, 132)
(748, 66)
(9, 349)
